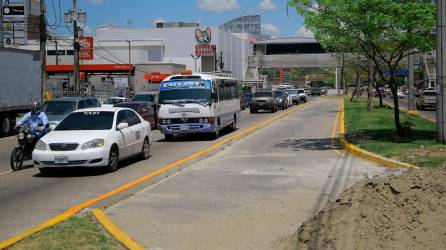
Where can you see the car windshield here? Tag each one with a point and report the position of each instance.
(301, 91)
(88, 120)
(144, 97)
(113, 101)
(429, 93)
(185, 95)
(279, 93)
(263, 94)
(58, 107)
(292, 92)
(133, 106)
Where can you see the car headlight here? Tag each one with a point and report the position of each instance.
(40, 145)
(168, 121)
(21, 136)
(163, 121)
(96, 143)
(279, 100)
(200, 120)
(205, 120)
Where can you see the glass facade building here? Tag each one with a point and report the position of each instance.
(244, 24)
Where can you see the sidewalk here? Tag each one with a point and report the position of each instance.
(252, 195)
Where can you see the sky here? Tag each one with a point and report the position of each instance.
(143, 14)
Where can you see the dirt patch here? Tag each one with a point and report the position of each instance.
(396, 212)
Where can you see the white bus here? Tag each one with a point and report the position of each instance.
(198, 103)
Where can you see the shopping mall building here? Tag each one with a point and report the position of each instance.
(150, 54)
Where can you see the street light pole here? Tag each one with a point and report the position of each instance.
(42, 29)
(130, 62)
(2, 42)
(441, 69)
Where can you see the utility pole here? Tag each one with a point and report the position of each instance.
(441, 70)
(411, 80)
(42, 49)
(75, 16)
(57, 51)
(370, 86)
(76, 49)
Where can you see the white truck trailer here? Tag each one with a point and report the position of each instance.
(19, 85)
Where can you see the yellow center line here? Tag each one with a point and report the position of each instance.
(75, 209)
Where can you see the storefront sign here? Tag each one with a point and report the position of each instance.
(86, 52)
(205, 50)
(203, 36)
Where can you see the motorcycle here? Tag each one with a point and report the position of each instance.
(24, 148)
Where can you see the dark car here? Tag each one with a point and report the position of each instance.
(57, 109)
(145, 109)
(263, 100)
(316, 91)
(146, 96)
(281, 99)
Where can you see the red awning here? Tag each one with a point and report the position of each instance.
(91, 68)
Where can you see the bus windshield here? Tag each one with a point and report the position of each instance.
(185, 95)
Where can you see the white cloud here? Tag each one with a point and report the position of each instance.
(269, 28)
(303, 32)
(158, 20)
(218, 5)
(95, 2)
(267, 5)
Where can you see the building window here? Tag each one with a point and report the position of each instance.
(155, 54)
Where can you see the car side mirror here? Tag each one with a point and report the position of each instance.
(144, 110)
(122, 126)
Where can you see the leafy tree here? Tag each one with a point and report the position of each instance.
(383, 30)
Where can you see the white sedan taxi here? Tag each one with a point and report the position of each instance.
(96, 137)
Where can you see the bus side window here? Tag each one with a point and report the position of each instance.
(232, 88)
(221, 90)
(215, 91)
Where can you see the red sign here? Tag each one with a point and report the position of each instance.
(205, 50)
(86, 51)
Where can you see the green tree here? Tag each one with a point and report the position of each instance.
(383, 30)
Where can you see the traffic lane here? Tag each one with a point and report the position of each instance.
(28, 199)
(6, 146)
(404, 103)
(254, 193)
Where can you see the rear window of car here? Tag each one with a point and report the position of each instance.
(301, 91)
(144, 97)
(429, 93)
(133, 106)
(88, 120)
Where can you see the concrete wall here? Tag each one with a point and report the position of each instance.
(142, 85)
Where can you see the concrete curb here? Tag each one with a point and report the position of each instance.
(76, 209)
(115, 231)
(410, 112)
(355, 150)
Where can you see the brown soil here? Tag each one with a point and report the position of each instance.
(397, 212)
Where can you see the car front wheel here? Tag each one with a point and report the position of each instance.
(113, 159)
(145, 152)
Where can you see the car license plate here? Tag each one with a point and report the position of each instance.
(61, 159)
(184, 127)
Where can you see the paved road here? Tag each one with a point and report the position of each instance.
(28, 199)
(404, 103)
(252, 195)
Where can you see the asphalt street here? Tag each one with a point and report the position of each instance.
(28, 198)
(252, 195)
(404, 103)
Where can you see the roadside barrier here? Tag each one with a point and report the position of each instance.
(390, 163)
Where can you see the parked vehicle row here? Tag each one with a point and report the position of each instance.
(272, 100)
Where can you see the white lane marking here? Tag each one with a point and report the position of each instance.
(6, 172)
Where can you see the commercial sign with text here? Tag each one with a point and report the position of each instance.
(86, 52)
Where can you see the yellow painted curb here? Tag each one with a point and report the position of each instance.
(390, 163)
(411, 112)
(114, 230)
(331, 97)
(73, 210)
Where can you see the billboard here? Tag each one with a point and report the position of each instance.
(14, 22)
(86, 51)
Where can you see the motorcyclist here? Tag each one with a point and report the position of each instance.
(36, 120)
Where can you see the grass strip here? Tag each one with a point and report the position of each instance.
(78, 232)
(375, 132)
